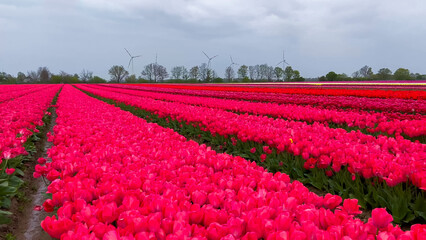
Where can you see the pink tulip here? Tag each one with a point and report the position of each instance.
(381, 218)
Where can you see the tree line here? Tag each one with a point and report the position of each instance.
(43, 75)
(366, 73)
(155, 72)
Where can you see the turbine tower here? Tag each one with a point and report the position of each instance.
(283, 62)
(131, 59)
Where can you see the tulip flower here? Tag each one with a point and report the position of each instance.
(116, 176)
(381, 218)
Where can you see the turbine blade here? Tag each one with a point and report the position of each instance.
(128, 52)
(214, 56)
(205, 54)
(130, 62)
(137, 56)
(232, 61)
(280, 63)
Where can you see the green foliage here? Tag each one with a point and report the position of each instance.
(331, 76)
(131, 79)
(245, 80)
(217, 80)
(243, 71)
(7, 78)
(97, 79)
(10, 236)
(402, 74)
(384, 74)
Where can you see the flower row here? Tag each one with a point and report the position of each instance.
(19, 118)
(9, 92)
(389, 106)
(373, 122)
(394, 160)
(402, 94)
(115, 176)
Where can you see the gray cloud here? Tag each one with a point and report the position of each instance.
(318, 36)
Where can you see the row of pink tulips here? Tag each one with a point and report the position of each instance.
(20, 116)
(6, 88)
(394, 160)
(14, 91)
(349, 117)
(115, 176)
(390, 106)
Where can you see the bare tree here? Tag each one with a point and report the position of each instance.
(148, 72)
(263, 71)
(229, 73)
(356, 74)
(269, 73)
(194, 73)
(155, 72)
(20, 78)
(179, 72)
(203, 72)
(118, 73)
(44, 74)
(33, 76)
(160, 72)
(185, 74)
(86, 76)
(364, 72)
(252, 72)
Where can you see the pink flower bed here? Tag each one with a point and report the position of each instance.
(350, 117)
(115, 176)
(20, 116)
(394, 160)
(9, 92)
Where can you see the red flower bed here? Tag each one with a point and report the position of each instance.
(390, 107)
(405, 94)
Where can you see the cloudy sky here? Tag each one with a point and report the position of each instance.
(318, 36)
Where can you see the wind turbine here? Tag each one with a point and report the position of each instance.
(131, 59)
(232, 62)
(209, 58)
(283, 62)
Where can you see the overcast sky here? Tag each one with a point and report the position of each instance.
(318, 36)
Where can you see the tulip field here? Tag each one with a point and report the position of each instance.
(169, 161)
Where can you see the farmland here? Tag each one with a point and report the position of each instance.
(225, 161)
